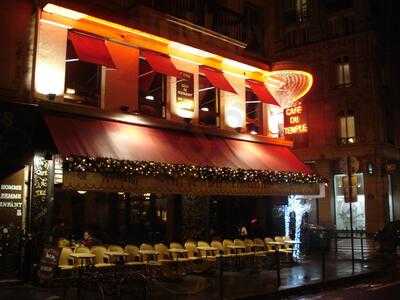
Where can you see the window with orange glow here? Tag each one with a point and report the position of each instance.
(82, 80)
(343, 74)
(151, 91)
(208, 103)
(347, 129)
(253, 113)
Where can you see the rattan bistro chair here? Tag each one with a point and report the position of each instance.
(205, 253)
(192, 252)
(115, 248)
(101, 260)
(65, 262)
(82, 249)
(282, 248)
(221, 249)
(270, 248)
(134, 258)
(245, 252)
(164, 255)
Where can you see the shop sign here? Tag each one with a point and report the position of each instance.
(295, 120)
(11, 197)
(185, 91)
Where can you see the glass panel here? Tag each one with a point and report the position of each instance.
(346, 74)
(340, 76)
(253, 112)
(208, 103)
(82, 80)
(275, 121)
(390, 199)
(342, 128)
(151, 91)
(351, 131)
(342, 209)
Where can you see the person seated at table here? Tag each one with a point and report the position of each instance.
(88, 240)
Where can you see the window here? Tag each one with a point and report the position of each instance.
(347, 130)
(343, 71)
(82, 80)
(275, 121)
(302, 10)
(253, 113)
(151, 91)
(208, 103)
(342, 208)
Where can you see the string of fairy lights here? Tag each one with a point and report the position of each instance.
(128, 170)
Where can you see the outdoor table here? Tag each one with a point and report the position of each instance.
(146, 253)
(82, 257)
(117, 254)
(179, 252)
(276, 244)
(236, 248)
(207, 249)
(292, 242)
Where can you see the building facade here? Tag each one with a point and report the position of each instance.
(143, 120)
(352, 109)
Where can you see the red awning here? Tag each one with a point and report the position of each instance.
(217, 79)
(160, 63)
(91, 49)
(101, 138)
(261, 92)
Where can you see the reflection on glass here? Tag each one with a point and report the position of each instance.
(342, 208)
(151, 91)
(208, 103)
(253, 113)
(82, 80)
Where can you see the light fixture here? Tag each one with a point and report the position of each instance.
(65, 12)
(189, 49)
(205, 109)
(149, 97)
(253, 132)
(82, 192)
(239, 65)
(70, 91)
(71, 60)
(121, 193)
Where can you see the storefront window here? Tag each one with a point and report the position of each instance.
(342, 208)
(253, 113)
(208, 103)
(82, 80)
(151, 91)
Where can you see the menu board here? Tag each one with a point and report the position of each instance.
(48, 263)
(11, 197)
(185, 91)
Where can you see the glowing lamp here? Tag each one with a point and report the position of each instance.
(234, 115)
(204, 109)
(149, 97)
(64, 12)
(49, 79)
(82, 192)
(185, 108)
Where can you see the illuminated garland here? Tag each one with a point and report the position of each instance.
(128, 170)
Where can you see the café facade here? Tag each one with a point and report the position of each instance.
(135, 136)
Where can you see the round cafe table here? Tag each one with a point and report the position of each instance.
(116, 256)
(180, 253)
(82, 259)
(207, 250)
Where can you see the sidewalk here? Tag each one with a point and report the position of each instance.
(236, 285)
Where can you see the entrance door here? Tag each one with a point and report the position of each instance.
(342, 209)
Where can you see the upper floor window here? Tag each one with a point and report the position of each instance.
(254, 115)
(209, 104)
(302, 10)
(347, 128)
(151, 91)
(82, 80)
(343, 75)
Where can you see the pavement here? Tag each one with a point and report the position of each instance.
(301, 281)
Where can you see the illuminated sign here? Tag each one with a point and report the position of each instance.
(295, 120)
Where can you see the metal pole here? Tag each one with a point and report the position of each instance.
(362, 246)
(351, 211)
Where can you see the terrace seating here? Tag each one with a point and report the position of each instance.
(64, 262)
(134, 257)
(163, 254)
(282, 248)
(270, 248)
(244, 251)
(82, 249)
(192, 252)
(115, 248)
(208, 254)
(101, 259)
(226, 243)
(220, 247)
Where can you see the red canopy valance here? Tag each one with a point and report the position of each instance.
(91, 49)
(261, 92)
(217, 79)
(160, 63)
(101, 138)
